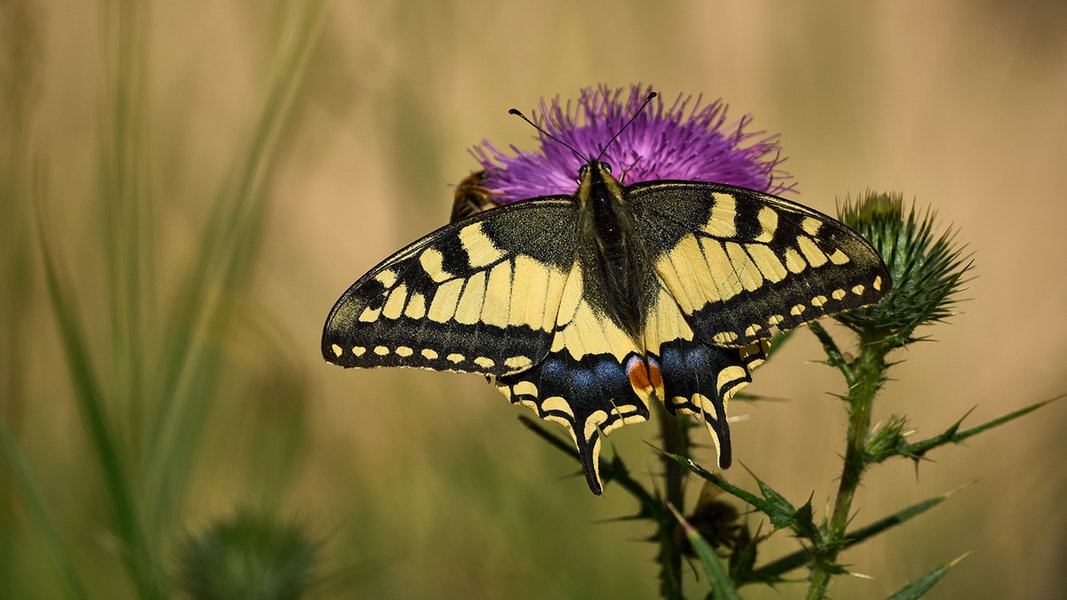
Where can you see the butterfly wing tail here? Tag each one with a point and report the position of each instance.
(700, 380)
(589, 396)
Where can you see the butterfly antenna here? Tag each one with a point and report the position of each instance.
(548, 135)
(648, 99)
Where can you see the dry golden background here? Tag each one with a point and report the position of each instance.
(425, 485)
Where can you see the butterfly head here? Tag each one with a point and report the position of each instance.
(595, 182)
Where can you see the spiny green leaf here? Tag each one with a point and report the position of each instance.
(731, 489)
(868, 531)
(781, 513)
(834, 357)
(774, 570)
(778, 341)
(953, 435)
(804, 523)
(920, 586)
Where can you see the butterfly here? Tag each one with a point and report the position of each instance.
(589, 307)
(472, 196)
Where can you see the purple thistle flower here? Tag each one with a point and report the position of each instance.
(686, 141)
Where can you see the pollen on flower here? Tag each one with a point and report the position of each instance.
(685, 140)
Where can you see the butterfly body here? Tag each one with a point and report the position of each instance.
(611, 258)
(587, 308)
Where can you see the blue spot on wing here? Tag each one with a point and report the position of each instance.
(601, 384)
(590, 385)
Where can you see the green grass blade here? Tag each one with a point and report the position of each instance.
(39, 515)
(125, 203)
(220, 272)
(91, 404)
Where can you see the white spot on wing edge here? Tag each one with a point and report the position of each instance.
(724, 337)
(558, 404)
(525, 388)
(518, 362)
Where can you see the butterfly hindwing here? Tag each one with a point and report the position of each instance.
(479, 296)
(741, 263)
(588, 396)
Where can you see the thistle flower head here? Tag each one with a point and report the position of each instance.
(248, 555)
(687, 140)
(928, 267)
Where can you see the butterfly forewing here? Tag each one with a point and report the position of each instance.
(479, 296)
(742, 264)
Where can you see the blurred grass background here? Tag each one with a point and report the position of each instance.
(207, 178)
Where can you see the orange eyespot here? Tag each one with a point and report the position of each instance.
(645, 376)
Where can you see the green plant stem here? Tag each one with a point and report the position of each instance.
(868, 374)
(675, 441)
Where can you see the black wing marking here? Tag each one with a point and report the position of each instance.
(741, 263)
(478, 296)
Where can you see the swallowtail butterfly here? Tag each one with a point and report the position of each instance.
(587, 308)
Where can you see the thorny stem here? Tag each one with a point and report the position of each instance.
(675, 442)
(867, 378)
